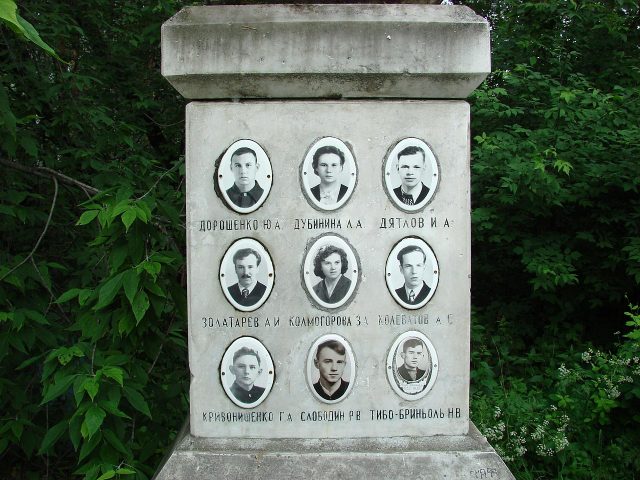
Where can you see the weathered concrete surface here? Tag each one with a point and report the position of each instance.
(454, 457)
(372, 224)
(325, 51)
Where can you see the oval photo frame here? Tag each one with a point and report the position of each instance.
(328, 174)
(412, 365)
(412, 283)
(324, 264)
(411, 174)
(329, 380)
(247, 372)
(246, 265)
(244, 176)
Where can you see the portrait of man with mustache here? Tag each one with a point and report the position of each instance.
(248, 290)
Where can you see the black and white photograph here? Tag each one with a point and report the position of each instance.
(412, 273)
(330, 271)
(244, 176)
(331, 368)
(412, 365)
(411, 174)
(328, 174)
(247, 372)
(246, 274)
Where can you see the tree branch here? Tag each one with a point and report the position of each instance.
(50, 173)
(44, 231)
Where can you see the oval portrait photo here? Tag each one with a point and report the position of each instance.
(244, 176)
(411, 174)
(246, 274)
(247, 372)
(328, 174)
(331, 368)
(330, 271)
(412, 365)
(412, 273)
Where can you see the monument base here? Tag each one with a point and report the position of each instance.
(453, 457)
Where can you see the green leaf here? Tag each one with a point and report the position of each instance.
(140, 305)
(93, 419)
(83, 296)
(68, 295)
(115, 442)
(108, 474)
(143, 212)
(29, 361)
(125, 471)
(60, 386)
(89, 445)
(32, 35)
(137, 401)
(29, 145)
(87, 217)
(65, 355)
(6, 116)
(121, 207)
(118, 256)
(9, 12)
(128, 218)
(114, 373)
(52, 436)
(152, 268)
(111, 407)
(91, 386)
(126, 324)
(17, 427)
(74, 431)
(130, 281)
(108, 291)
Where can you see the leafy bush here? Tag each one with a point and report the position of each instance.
(576, 419)
(93, 365)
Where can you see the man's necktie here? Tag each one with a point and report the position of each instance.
(245, 293)
(412, 296)
(407, 199)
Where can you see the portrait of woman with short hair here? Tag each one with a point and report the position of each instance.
(328, 163)
(330, 264)
(328, 173)
(330, 271)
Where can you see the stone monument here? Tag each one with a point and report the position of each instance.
(328, 240)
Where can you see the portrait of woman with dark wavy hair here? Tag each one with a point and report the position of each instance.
(330, 264)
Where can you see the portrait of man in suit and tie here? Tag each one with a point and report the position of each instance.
(412, 273)
(247, 290)
(412, 261)
(244, 176)
(411, 174)
(246, 274)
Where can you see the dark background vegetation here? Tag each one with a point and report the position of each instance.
(93, 364)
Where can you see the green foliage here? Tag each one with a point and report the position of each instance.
(93, 368)
(556, 229)
(572, 417)
(9, 16)
(555, 176)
